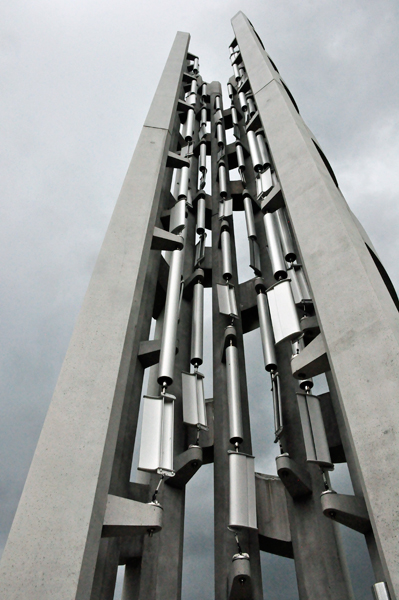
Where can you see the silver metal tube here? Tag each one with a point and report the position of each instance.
(234, 395)
(251, 107)
(263, 150)
(230, 90)
(240, 157)
(236, 73)
(243, 101)
(202, 157)
(234, 116)
(220, 134)
(266, 333)
(222, 181)
(254, 151)
(197, 329)
(168, 345)
(193, 89)
(226, 254)
(204, 92)
(190, 125)
(274, 246)
(285, 235)
(192, 99)
(218, 103)
(196, 66)
(204, 116)
(178, 217)
(201, 215)
(249, 217)
(183, 184)
(241, 71)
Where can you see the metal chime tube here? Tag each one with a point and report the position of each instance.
(202, 157)
(196, 66)
(251, 106)
(234, 395)
(220, 134)
(263, 150)
(197, 331)
(266, 332)
(275, 252)
(230, 90)
(285, 235)
(249, 217)
(204, 92)
(190, 125)
(172, 305)
(222, 180)
(236, 73)
(201, 215)
(226, 251)
(254, 151)
(183, 185)
(240, 157)
(234, 116)
(243, 101)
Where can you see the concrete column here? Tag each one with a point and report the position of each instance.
(54, 541)
(225, 546)
(162, 561)
(358, 318)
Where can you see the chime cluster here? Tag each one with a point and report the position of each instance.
(279, 306)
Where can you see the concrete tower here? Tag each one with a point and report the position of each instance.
(322, 303)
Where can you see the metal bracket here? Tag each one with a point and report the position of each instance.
(124, 517)
(185, 466)
(149, 351)
(311, 361)
(347, 510)
(176, 161)
(295, 478)
(163, 240)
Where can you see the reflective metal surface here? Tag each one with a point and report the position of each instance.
(251, 107)
(242, 513)
(226, 254)
(263, 150)
(234, 395)
(156, 446)
(266, 181)
(249, 217)
(194, 412)
(183, 184)
(254, 256)
(300, 289)
(243, 101)
(202, 157)
(283, 312)
(254, 151)
(380, 591)
(285, 235)
(274, 247)
(197, 330)
(240, 157)
(201, 203)
(190, 125)
(178, 217)
(172, 305)
(314, 433)
(222, 181)
(227, 300)
(266, 333)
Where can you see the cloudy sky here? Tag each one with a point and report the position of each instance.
(76, 82)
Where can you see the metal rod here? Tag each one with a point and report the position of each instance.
(234, 395)
(266, 332)
(197, 330)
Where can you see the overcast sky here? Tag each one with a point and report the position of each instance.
(77, 78)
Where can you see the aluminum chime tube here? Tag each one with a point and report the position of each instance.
(249, 216)
(197, 330)
(266, 329)
(234, 395)
(226, 251)
(274, 246)
(201, 203)
(285, 236)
